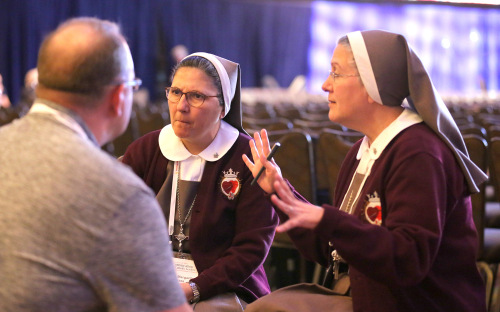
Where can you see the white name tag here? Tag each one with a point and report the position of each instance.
(185, 268)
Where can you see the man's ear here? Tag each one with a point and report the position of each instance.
(117, 100)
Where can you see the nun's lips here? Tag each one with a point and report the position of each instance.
(182, 121)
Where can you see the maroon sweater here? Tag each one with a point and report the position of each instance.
(422, 256)
(229, 239)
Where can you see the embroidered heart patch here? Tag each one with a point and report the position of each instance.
(374, 213)
(230, 186)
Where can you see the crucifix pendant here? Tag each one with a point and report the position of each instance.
(180, 238)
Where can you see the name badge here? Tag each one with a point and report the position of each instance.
(184, 267)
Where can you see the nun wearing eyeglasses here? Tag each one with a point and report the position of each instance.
(221, 227)
(400, 227)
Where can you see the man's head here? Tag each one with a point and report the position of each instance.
(86, 65)
(83, 56)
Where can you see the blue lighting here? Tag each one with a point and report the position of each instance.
(459, 46)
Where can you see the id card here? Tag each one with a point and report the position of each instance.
(184, 267)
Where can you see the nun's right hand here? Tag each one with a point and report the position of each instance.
(260, 149)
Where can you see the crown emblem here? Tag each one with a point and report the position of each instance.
(230, 173)
(373, 198)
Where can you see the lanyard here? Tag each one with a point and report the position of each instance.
(171, 216)
(364, 168)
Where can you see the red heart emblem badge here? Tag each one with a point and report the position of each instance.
(374, 213)
(229, 186)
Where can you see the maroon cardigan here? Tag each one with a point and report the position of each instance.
(229, 239)
(422, 257)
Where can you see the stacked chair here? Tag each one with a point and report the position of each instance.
(480, 130)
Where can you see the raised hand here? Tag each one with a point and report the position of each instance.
(260, 148)
(301, 214)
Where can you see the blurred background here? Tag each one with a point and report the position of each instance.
(274, 41)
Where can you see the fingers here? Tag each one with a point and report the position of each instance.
(262, 142)
(265, 142)
(288, 225)
(283, 190)
(270, 168)
(285, 206)
(248, 162)
(257, 141)
(253, 150)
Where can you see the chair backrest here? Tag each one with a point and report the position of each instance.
(494, 164)
(332, 147)
(258, 110)
(276, 123)
(314, 127)
(477, 147)
(473, 128)
(296, 160)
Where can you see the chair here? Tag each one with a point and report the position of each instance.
(296, 160)
(488, 257)
(332, 147)
(258, 110)
(314, 127)
(315, 116)
(477, 147)
(288, 111)
(150, 119)
(473, 128)
(270, 124)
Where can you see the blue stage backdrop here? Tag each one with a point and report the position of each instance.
(459, 46)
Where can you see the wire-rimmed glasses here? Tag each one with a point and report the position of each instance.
(335, 75)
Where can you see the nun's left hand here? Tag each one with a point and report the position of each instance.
(300, 214)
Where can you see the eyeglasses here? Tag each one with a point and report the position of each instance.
(194, 98)
(135, 83)
(335, 75)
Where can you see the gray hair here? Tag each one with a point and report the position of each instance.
(344, 41)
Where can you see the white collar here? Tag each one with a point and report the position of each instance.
(368, 152)
(173, 149)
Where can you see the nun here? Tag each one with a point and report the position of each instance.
(399, 235)
(221, 227)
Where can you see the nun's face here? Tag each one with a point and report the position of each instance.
(195, 126)
(347, 97)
